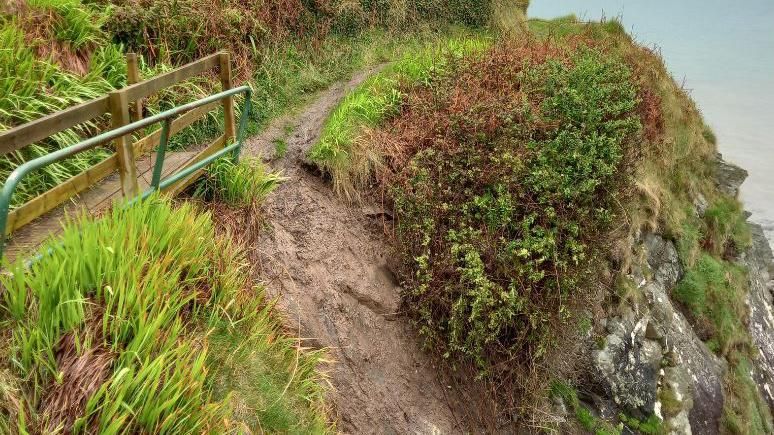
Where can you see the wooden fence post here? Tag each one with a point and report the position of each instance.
(228, 103)
(132, 77)
(119, 112)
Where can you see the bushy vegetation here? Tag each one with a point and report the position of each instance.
(504, 183)
(185, 29)
(510, 169)
(145, 321)
(675, 174)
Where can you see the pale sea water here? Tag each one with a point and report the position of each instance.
(723, 52)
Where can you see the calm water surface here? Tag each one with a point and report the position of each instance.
(723, 51)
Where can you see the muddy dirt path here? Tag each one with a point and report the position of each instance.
(326, 261)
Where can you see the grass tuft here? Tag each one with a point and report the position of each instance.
(714, 291)
(241, 183)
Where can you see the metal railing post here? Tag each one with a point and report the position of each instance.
(160, 154)
(240, 136)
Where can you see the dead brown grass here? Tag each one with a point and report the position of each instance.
(82, 372)
(39, 28)
(679, 157)
(11, 397)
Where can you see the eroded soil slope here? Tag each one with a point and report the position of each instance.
(326, 261)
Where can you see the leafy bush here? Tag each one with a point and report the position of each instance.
(181, 30)
(509, 168)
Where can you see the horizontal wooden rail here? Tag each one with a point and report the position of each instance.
(60, 193)
(18, 137)
(57, 195)
(143, 89)
(49, 125)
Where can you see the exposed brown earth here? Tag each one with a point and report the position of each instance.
(327, 262)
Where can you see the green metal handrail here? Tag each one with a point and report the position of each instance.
(156, 182)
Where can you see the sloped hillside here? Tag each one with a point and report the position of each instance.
(565, 230)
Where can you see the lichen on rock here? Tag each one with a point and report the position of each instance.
(651, 361)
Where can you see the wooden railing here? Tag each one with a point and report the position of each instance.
(117, 105)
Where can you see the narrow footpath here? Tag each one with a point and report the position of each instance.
(326, 261)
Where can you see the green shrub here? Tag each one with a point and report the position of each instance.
(468, 12)
(181, 30)
(501, 211)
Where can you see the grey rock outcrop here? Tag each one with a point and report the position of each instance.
(652, 362)
(676, 399)
(630, 363)
(685, 350)
(729, 177)
(759, 262)
(663, 260)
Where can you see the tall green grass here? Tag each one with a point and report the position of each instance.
(242, 183)
(77, 24)
(193, 347)
(33, 87)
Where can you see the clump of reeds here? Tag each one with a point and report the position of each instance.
(152, 323)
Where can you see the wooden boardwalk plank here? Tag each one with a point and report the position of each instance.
(94, 201)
